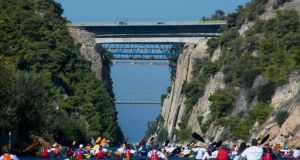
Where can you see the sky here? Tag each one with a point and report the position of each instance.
(144, 10)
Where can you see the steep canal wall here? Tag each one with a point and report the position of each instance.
(93, 53)
(88, 49)
(263, 107)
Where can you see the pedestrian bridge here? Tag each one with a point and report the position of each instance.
(149, 40)
(138, 98)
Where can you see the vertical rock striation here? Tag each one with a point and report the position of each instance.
(173, 106)
(88, 49)
(286, 96)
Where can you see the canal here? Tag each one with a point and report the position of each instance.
(139, 76)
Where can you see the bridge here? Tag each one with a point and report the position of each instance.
(138, 98)
(149, 40)
(141, 62)
(141, 50)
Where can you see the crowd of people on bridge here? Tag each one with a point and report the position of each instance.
(215, 151)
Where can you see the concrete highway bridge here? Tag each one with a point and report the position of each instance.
(149, 40)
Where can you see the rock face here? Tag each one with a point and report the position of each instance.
(286, 97)
(202, 106)
(88, 49)
(244, 28)
(173, 106)
(270, 11)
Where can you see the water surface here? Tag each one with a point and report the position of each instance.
(136, 77)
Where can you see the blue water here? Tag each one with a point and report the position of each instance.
(133, 118)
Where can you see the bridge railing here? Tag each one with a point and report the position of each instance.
(160, 51)
(123, 23)
(138, 98)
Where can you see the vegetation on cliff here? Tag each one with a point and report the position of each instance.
(46, 86)
(269, 48)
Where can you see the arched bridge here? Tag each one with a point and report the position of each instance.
(138, 98)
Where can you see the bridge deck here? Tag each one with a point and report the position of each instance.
(150, 40)
(159, 23)
(132, 33)
(137, 102)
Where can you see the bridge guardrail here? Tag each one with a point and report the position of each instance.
(159, 23)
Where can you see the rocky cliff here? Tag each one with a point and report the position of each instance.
(251, 115)
(286, 98)
(173, 105)
(88, 49)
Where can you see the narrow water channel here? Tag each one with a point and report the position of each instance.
(139, 76)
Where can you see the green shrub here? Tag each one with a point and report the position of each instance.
(231, 123)
(242, 130)
(151, 129)
(260, 112)
(153, 126)
(238, 129)
(218, 15)
(281, 2)
(200, 118)
(169, 89)
(212, 45)
(251, 94)
(162, 135)
(266, 92)
(162, 98)
(222, 103)
(193, 93)
(184, 133)
(286, 21)
(209, 69)
(248, 76)
(204, 127)
(281, 116)
(228, 36)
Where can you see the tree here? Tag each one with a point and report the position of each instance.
(48, 70)
(212, 44)
(222, 103)
(260, 112)
(7, 108)
(8, 34)
(239, 9)
(31, 103)
(218, 15)
(286, 21)
(281, 116)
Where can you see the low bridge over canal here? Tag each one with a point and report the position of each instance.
(138, 98)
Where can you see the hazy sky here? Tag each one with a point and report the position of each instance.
(144, 10)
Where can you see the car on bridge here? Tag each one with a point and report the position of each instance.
(123, 23)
